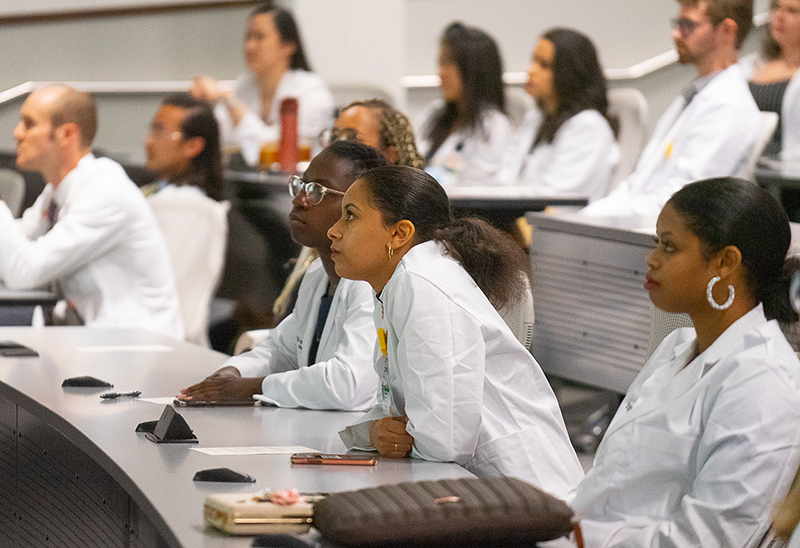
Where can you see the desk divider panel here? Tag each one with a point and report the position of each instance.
(52, 494)
(8, 473)
(592, 313)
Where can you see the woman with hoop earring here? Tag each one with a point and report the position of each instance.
(706, 440)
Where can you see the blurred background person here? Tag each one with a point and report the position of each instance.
(566, 145)
(277, 69)
(772, 78)
(183, 147)
(465, 135)
(375, 123)
(90, 230)
(710, 129)
(378, 124)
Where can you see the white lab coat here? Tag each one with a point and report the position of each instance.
(105, 250)
(790, 109)
(466, 157)
(794, 540)
(712, 136)
(472, 393)
(342, 377)
(579, 161)
(314, 112)
(698, 456)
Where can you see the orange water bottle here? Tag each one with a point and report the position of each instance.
(287, 152)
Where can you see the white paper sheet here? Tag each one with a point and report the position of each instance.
(167, 400)
(125, 348)
(267, 450)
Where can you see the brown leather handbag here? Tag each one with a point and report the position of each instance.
(464, 512)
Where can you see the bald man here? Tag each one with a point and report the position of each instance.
(90, 230)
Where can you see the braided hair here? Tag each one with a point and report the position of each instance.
(395, 131)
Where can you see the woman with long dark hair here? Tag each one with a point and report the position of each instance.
(566, 145)
(464, 137)
(277, 69)
(455, 384)
(773, 80)
(707, 438)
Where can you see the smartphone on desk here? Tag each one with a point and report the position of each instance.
(328, 458)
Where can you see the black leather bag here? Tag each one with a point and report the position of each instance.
(464, 512)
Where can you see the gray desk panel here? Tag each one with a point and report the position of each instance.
(592, 312)
(26, 297)
(158, 478)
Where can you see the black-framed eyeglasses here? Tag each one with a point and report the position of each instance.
(687, 26)
(315, 192)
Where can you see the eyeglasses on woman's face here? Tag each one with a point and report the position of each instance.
(315, 192)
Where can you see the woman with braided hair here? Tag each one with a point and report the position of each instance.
(378, 124)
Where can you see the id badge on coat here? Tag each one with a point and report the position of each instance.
(386, 390)
(385, 393)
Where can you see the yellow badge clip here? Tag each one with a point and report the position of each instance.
(382, 340)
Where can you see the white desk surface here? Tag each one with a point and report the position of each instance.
(159, 477)
(631, 229)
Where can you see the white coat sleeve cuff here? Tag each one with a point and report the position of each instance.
(356, 436)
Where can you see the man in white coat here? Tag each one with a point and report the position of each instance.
(709, 130)
(91, 229)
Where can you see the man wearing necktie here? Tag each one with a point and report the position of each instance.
(91, 229)
(710, 129)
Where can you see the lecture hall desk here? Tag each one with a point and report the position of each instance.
(74, 473)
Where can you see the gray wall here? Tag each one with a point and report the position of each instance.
(372, 41)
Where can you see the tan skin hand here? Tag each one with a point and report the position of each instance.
(390, 438)
(206, 88)
(226, 384)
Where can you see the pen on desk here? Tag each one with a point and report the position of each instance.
(115, 395)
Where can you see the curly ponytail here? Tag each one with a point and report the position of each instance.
(490, 256)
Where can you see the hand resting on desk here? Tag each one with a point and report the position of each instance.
(389, 437)
(224, 384)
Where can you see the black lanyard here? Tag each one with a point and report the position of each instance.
(322, 316)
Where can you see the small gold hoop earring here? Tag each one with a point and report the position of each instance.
(391, 252)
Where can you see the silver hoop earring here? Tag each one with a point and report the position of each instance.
(710, 295)
(391, 252)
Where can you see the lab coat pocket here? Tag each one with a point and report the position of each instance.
(662, 461)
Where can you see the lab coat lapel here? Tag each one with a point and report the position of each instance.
(311, 323)
(671, 124)
(655, 153)
(332, 316)
(674, 381)
(679, 381)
